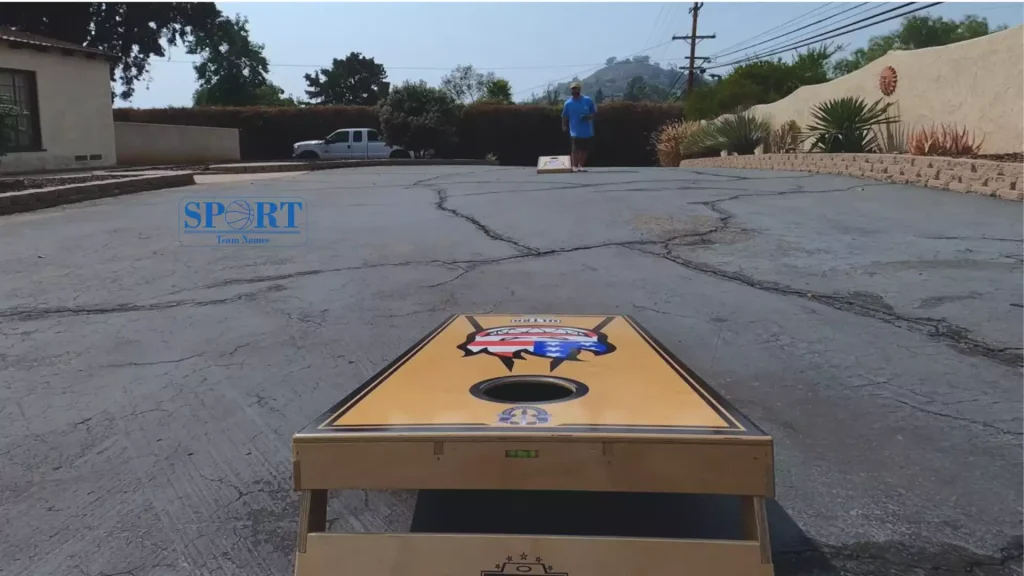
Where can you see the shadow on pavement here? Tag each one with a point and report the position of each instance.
(613, 514)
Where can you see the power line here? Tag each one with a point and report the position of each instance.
(811, 33)
(770, 30)
(720, 55)
(815, 41)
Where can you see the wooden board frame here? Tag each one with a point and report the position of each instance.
(738, 460)
(320, 553)
(564, 165)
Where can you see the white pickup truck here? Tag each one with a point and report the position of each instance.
(347, 144)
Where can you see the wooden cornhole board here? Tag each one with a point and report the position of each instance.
(554, 165)
(493, 402)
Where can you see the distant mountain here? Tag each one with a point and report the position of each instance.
(613, 80)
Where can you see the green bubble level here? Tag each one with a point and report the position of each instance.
(522, 453)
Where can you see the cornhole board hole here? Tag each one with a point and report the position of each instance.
(489, 402)
(554, 165)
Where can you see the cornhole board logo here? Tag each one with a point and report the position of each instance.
(523, 564)
(524, 416)
(553, 164)
(559, 343)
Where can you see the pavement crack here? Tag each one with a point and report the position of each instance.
(150, 363)
(442, 199)
(936, 328)
(957, 418)
(67, 311)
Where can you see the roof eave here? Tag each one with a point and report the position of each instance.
(40, 47)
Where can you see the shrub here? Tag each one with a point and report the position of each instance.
(737, 133)
(785, 138)
(668, 141)
(847, 125)
(520, 134)
(418, 117)
(944, 140)
(892, 136)
(516, 134)
(264, 133)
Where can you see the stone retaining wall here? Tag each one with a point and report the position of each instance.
(996, 179)
(29, 200)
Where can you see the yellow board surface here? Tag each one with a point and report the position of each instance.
(621, 380)
(553, 165)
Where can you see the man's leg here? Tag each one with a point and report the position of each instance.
(583, 153)
(574, 155)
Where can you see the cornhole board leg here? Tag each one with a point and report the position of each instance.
(322, 554)
(554, 165)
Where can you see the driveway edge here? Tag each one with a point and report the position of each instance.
(983, 177)
(29, 200)
(307, 166)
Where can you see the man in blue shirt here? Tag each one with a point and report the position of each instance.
(578, 120)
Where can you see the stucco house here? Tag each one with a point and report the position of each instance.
(62, 92)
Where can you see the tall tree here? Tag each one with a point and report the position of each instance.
(915, 32)
(232, 70)
(636, 90)
(354, 81)
(497, 91)
(133, 32)
(465, 83)
(610, 60)
(598, 96)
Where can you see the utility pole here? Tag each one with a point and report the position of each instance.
(693, 38)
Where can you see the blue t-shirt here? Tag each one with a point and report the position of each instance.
(573, 110)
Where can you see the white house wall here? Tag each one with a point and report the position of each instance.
(75, 113)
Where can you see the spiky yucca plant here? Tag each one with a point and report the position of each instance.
(847, 125)
(944, 140)
(740, 133)
(668, 141)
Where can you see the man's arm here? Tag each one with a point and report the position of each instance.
(591, 112)
(565, 117)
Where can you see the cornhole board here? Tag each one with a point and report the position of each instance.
(554, 165)
(503, 402)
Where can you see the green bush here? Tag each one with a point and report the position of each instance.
(516, 134)
(738, 133)
(417, 117)
(264, 133)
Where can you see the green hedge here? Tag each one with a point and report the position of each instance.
(516, 134)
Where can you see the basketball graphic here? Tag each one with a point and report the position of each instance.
(239, 215)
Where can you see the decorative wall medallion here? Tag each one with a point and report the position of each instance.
(887, 80)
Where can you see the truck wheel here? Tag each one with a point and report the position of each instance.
(309, 155)
(399, 154)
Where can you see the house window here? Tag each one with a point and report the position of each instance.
(20, 132)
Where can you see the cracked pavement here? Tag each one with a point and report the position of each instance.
(148, 391)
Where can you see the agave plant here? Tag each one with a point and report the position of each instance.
(847, 124)
(738, 133)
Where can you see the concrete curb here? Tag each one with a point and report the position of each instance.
(983, 177)
(29, 200)
(301, 166)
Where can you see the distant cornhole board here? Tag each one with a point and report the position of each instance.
(499, 402)
(553, 165)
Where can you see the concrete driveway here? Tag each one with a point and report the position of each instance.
(148, 391)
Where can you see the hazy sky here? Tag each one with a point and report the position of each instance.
(530, 44)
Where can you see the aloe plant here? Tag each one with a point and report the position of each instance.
(847, 124)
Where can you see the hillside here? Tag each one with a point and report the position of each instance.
(613, 79)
